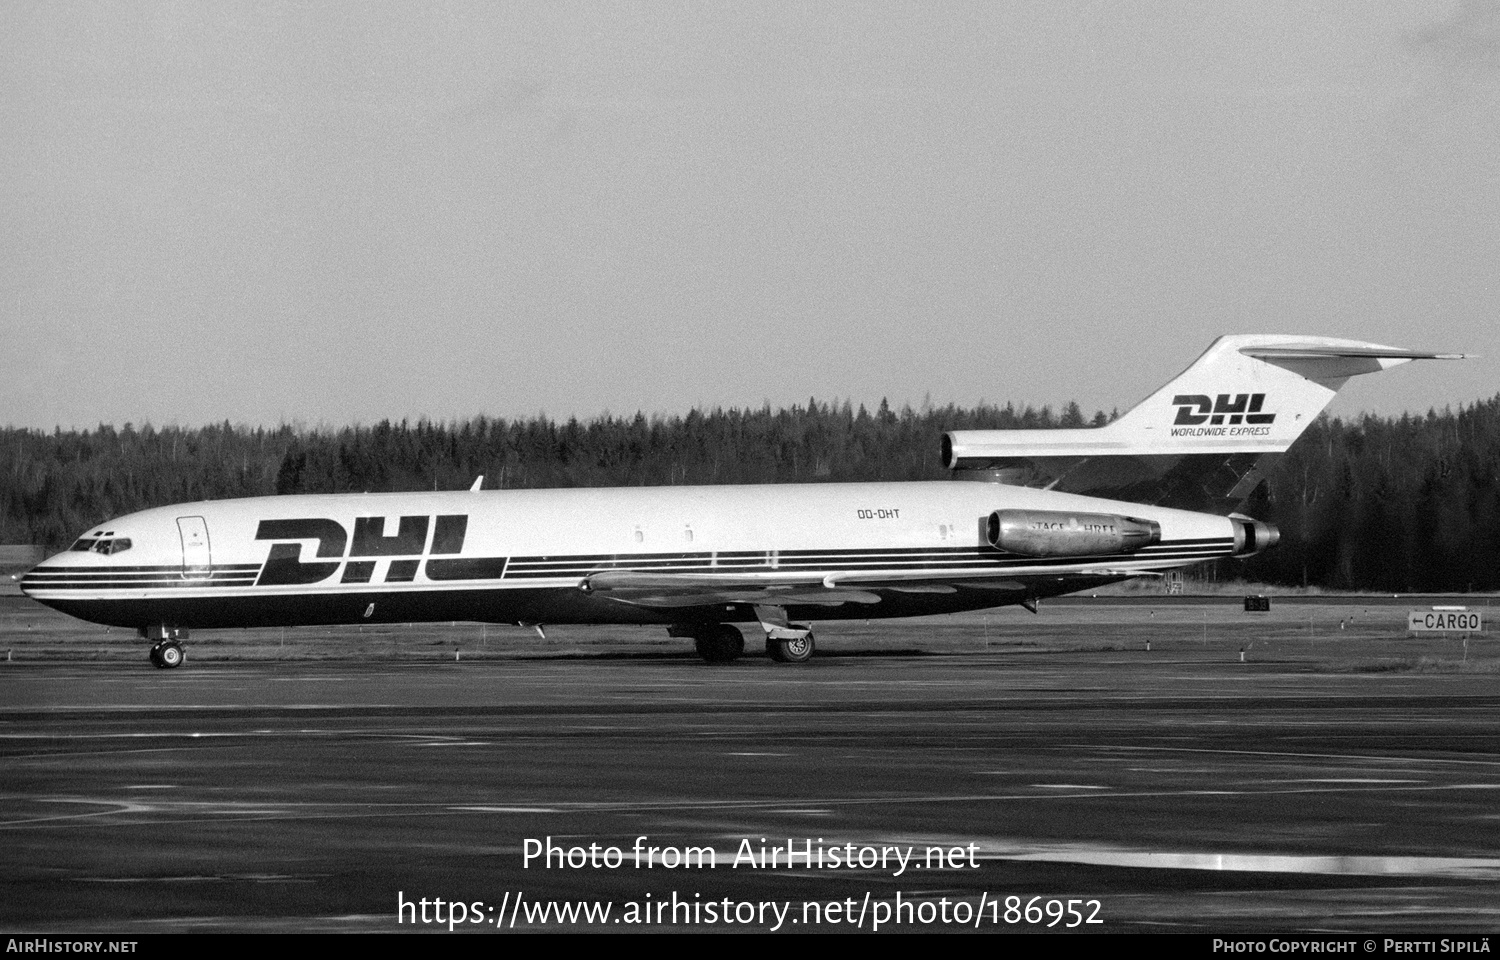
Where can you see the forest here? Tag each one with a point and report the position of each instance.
(1399, 504)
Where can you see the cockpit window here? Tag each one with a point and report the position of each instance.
(106, 546)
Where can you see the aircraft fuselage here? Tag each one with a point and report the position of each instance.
(687, 554)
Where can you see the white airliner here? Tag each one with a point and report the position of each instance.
(1057, 511)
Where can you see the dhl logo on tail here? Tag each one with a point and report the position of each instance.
(1194, 409)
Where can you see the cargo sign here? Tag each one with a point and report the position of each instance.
(1461, 621)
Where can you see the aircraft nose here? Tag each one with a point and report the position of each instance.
(82, 564)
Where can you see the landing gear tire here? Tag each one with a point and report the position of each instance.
(168, 655)
(795, 650)
(720, 643)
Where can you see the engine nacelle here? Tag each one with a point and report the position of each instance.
(1058, 533)
(1252, 536)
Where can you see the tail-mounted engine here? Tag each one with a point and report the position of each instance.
(1251, 536)
(1057, 533)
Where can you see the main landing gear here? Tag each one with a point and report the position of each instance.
(715, 642)
(790, 650)
(786, 642)
(166, 653)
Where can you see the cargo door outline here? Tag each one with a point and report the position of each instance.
(197, 557)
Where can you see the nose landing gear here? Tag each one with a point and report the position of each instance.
(166, 653)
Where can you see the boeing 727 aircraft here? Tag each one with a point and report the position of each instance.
(1056, 511)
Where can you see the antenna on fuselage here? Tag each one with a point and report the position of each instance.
(478, 482)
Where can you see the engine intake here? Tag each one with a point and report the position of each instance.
(1056, 533)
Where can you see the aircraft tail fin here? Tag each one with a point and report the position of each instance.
(1202, 442)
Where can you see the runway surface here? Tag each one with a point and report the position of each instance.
(1172, 790)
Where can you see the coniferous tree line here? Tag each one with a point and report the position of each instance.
(1401, 504)
(1376, 503)
(53, 485)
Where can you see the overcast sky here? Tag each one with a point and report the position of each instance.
(337, 213)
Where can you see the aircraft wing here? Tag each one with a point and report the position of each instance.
(657, 591)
